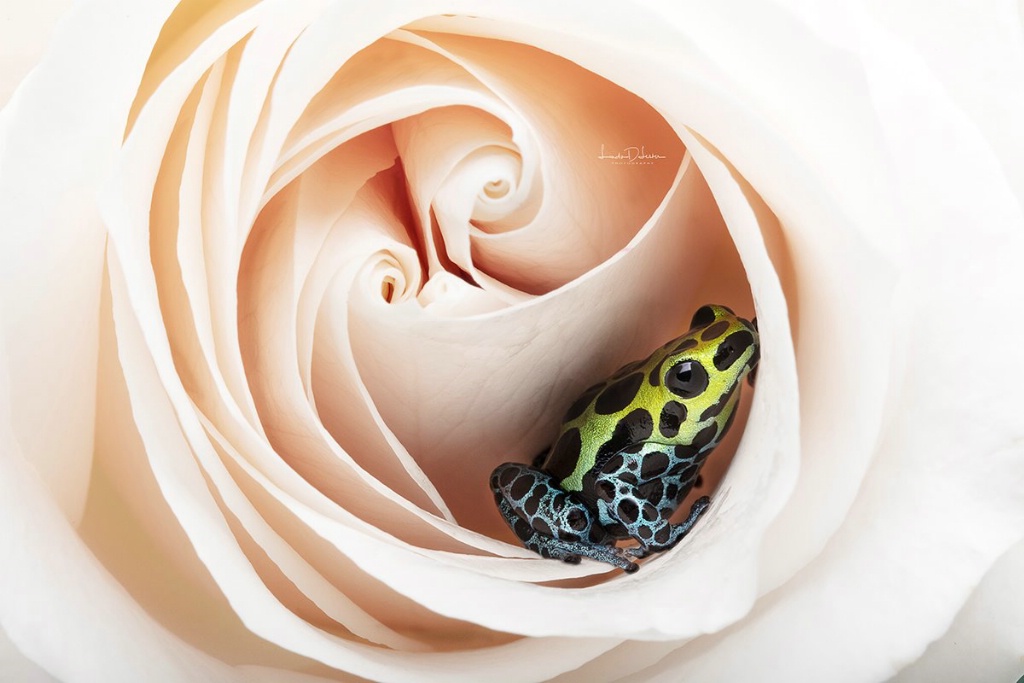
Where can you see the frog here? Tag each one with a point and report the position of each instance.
(630, 448)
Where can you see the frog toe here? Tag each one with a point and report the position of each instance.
(639, 551)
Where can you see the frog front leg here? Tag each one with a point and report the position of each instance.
(638, 492)
(550, 521)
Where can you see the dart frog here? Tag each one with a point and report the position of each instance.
(630, 448)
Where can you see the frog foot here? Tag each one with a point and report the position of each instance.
(665, 535)
(572, 551)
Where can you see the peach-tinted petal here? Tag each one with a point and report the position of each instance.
(50, 297)
(61, 617)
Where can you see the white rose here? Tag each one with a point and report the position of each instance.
(251, 397)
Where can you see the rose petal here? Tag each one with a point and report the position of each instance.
(49, 301)
(17, 667)
(25, 31)
(131, 529)
(281, 278)
(985, 642)
(84, 611)
(977, 56)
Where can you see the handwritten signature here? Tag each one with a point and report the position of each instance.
(631, 155)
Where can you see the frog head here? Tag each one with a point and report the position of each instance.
(700, 372)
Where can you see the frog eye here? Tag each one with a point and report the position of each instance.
(687, 379)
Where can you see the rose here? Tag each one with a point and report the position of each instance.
(192, 513)
(796, 604)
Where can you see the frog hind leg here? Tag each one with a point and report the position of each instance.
(549, 520)
(640, 491)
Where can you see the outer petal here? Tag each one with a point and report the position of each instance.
(15, 666)
(976, 53)
(60, 607)
(986, 640)
(25, 30)
(57, 137)
(945, 495)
